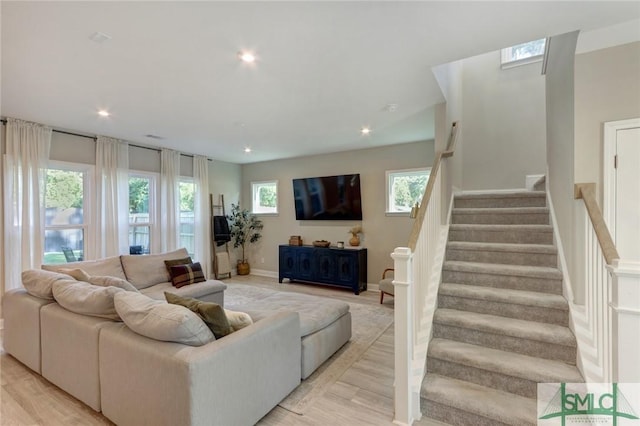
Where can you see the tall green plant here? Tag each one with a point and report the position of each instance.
(244, 228)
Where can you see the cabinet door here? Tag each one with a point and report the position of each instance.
(305, 264)
(347, 269)
(287, 262)
(325, 260)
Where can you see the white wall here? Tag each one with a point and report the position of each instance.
(382, 233)
(560, 139)
(607, 88)
(504, 123)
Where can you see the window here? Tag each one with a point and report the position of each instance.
(141, 212)
(265, 197)
(405, 188)
(524, 53)
(65, 229)
(187, 215)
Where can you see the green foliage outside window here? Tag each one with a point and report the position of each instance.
(268, 196)
(408, 190)
(138, 195)
(64, 189)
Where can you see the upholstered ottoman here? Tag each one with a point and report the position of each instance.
(325, 324)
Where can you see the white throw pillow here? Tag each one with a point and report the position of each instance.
(39, 283)
(160, 320)
(87, 299)
(109, 266)
(238, 320)
(147, 270)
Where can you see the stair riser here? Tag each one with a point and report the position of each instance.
(509, 310)
(501, 218)
(516, 385)
(455, 416)
(469, 203)
(507, 343)
(543, 285)
(503, 257)
(516, 236)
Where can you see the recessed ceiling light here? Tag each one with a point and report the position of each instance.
(104, 113)
(247, 57)
(247, 150)
(365, 131)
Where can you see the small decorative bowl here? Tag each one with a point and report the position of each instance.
(321, 243)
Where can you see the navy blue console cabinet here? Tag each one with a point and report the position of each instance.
(324, 265)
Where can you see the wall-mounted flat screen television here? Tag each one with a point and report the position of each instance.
(328, 198)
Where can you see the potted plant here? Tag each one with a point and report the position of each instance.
(355, 235)
(244, 228)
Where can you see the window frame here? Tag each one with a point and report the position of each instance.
(88, 171)
(154, 237)
(389, 174)
(255, 194)
(192, 181)
(505, 57)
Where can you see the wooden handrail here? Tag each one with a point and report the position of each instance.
(587, 192)
(426, 197)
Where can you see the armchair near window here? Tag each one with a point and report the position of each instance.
(385, 284)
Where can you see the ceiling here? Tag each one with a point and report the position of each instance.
(323, 71)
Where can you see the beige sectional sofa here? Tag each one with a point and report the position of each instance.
(137, 380)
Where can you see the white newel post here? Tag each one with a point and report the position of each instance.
(625, 306)
(403, 337)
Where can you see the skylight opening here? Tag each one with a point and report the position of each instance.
(521, 54)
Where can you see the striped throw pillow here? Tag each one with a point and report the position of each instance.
(182, 275)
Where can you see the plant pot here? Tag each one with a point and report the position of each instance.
(243, 268)
(354, 241)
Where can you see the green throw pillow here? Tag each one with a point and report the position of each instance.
(211, 313)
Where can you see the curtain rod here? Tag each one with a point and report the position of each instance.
(95, 138)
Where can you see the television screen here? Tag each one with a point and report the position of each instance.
(328, 198)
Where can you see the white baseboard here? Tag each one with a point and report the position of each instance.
(264, 273)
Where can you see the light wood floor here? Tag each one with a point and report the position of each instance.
(363, 395)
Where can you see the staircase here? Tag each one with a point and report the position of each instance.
(501, 325)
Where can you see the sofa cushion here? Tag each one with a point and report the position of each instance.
(211, 313)
(39, 283)
(147, 270)
(77, 273)
(182, 275)
(112, 282)
(160, 320)
(110, 266)
(315, 312)
(86, 299)
(197, 291)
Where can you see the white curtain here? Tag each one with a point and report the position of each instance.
(112, 198)
(169, 195)
(28, 146)
(201, 213)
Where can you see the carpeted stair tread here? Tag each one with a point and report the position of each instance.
(500, 227)
(500, 195)
(503, 247)
(500, 269)
(500, 210)
(491, 404)
(507, 363)
(529, 330)
(514, 297)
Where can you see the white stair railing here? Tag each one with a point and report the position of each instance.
(611, 312)
(417, 276)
